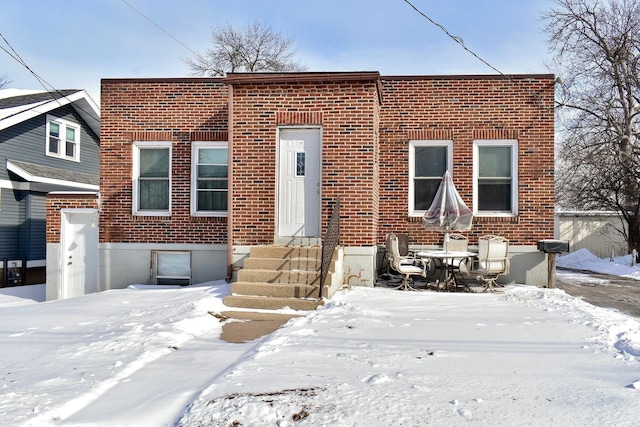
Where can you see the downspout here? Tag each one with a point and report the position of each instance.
(230, 187)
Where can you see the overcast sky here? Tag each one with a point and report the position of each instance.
(72, 44)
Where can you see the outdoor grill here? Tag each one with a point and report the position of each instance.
(553, 246)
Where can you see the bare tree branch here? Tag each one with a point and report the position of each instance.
(5, 81)
(254, 48)
(597, 52)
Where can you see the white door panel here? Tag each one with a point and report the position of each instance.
(79, 253)
(299, 183)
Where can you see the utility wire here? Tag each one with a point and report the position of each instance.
(162, 29)
(21, 61)
(460, 41)
(456, 39)
(49, 88)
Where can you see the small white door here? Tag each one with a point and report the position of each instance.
(299, 183)
(79, 253)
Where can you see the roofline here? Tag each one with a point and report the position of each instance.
(91, 117)
(27, 176)
(162, 80)
(312, 76)
(470, 77)
(306, 77)
(285, 77)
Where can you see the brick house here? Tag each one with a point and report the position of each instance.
(211, 167)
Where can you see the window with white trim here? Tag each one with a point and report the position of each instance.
(152, 178)
(428, 161)
(209, 178)
(495, 177)
(63, 139)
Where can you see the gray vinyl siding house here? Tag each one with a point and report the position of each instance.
(49, 142)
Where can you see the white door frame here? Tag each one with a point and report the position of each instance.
(316, 216)
(67, 238)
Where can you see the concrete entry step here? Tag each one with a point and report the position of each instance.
(279, 276)
(274, 277)
(298, 241)
(286, 252)
(279, 290)
(280, 264)
(270, 303)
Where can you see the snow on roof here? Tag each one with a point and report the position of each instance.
(10, 93)
(17, 105)
(12, 111)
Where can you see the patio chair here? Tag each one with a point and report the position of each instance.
(405, 265)
(403, 249)
(492, 261)
(456, 243)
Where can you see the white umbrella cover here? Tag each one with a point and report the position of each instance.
(447, 211)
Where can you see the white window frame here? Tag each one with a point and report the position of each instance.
(412, 156)
(513, 143)
(62, 144)
(141, 145)
(195, 147)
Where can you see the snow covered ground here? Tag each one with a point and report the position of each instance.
(151, 356)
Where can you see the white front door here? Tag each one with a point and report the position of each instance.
(299, 182)
(79, 252)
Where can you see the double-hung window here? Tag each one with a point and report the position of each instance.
(495, 177)
(63, 139)
(209, 178)
(152, 178)
(428, 161)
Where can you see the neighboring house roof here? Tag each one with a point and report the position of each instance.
(48, 175)
(18, 105)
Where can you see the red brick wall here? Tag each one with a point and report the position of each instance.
(463, 109)
(365, 150)
(177, 110)
(57, 202)
(348, 113)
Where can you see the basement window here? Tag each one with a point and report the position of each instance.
(171, 267)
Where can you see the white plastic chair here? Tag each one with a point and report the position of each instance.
(456, 243)
(492, 261)
(404, 265)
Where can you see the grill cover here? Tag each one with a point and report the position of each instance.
(554, 246)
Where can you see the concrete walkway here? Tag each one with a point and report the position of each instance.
(207, 356)
(244, 326)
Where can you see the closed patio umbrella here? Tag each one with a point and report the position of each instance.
(447, 211)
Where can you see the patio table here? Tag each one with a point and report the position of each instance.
(445, 261)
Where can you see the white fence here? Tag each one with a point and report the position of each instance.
(597, 231)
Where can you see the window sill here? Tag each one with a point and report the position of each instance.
(152, 213)
(57, 156)
(487, 218)
(210, 214)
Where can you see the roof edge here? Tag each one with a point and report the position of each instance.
(284, 77)
(161, 80)
(29, 176)
(79, 100)
(469, 76)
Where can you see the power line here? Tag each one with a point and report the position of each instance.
(460, 41)
(456, 39)
(162, 29)
(15, 56)
(21, 61)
